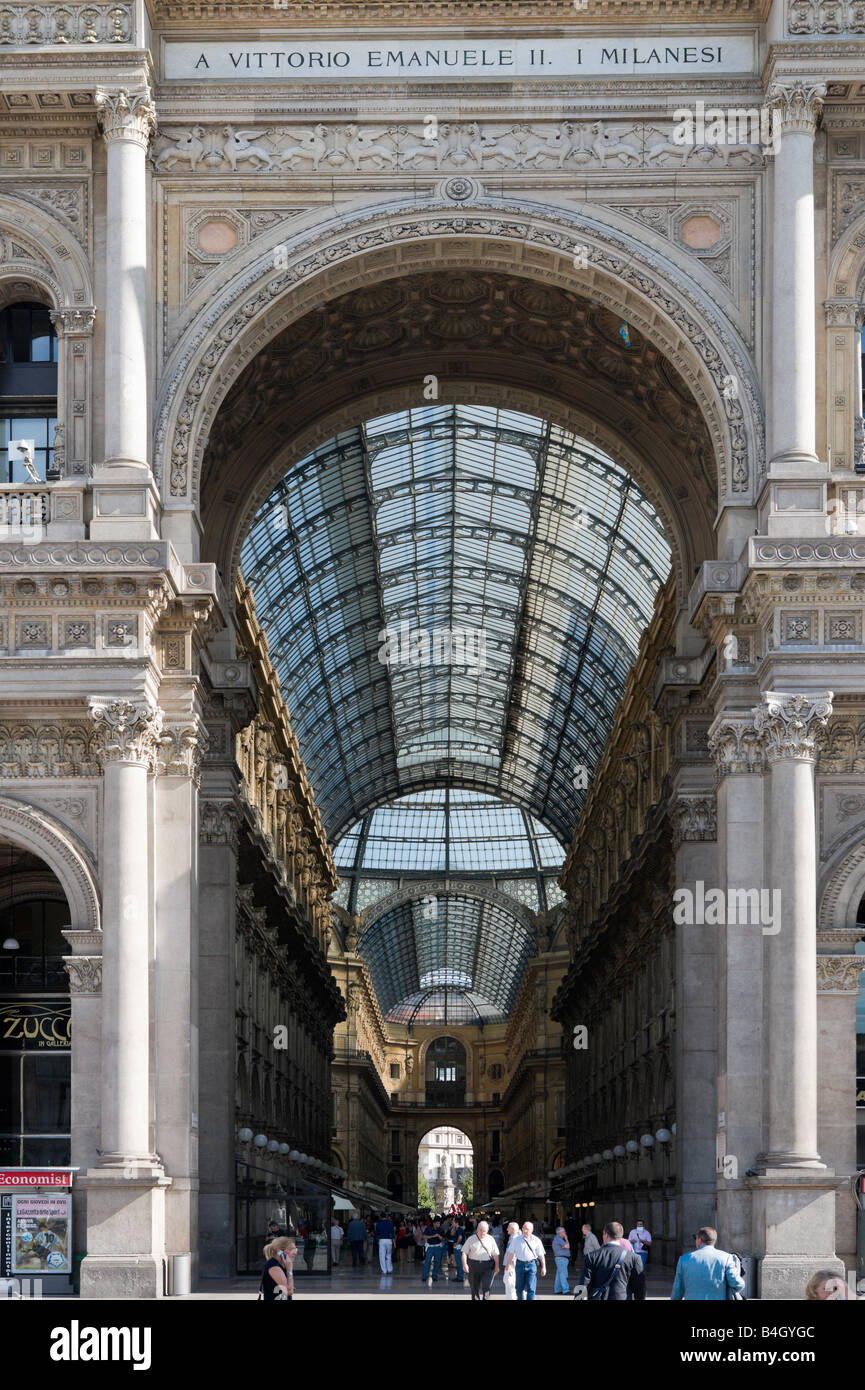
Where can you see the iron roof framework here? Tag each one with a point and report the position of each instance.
(449, 833)
(445, 959)
(446, 520)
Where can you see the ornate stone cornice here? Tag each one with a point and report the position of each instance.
(796, 105)
(85, 974)
(788, 723)
(839, 974)
(734, 742)
(695, 817)
(127, 732)
(218, 823)
(181, 747)
(126, 115)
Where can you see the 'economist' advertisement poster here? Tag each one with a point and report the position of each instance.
(41, 1235)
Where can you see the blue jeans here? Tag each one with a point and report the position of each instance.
(458, 1260)
(433, 1260)
(527, 1278)
(562, 1263)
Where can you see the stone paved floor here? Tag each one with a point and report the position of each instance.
(404, 1283)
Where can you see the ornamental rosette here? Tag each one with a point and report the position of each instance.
(126, 732)
(788, 724)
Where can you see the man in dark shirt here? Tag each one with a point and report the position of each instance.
(612, 1272)
(384, 1234)
(435, 1249)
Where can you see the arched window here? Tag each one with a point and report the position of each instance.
(445, 1072)
(496, 1183)
(28, 391)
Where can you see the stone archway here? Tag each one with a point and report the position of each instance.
(660, 301)
(46, 837)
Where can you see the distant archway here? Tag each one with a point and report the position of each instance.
(445, 1169)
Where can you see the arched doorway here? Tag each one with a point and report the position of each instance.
(445, 1169)
(35, 1014)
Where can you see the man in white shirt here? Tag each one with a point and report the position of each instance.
(480, 1257)
(641, 1240)
(530, 1258)
(336, 1235)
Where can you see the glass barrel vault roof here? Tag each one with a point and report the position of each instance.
(454, 520)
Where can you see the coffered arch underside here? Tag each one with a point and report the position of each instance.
(537, 243)
(842, 885)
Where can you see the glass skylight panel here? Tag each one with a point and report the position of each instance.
(458, 545)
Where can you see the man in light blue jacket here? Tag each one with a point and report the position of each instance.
(706, 1273)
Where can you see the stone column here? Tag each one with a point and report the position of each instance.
(123, 497)
(795, 110)
(695, 834)
(125, 1204)
(787, 725)
(837, 995)
(175, 974)
(738, 1123)
(793, 1191)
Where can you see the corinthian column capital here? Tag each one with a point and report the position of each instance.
(127, 115)
(788, 724)
(734, 743)
(126, 732)
(796, 105)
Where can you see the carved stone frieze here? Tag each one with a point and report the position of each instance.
(839, 974)
(788, 724)
(825, 17)
(85, 974)
(51, 750)
(126, 732)
(330, 148)
(42, 26)
(559, 233)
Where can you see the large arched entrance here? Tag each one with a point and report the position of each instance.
(460, 493)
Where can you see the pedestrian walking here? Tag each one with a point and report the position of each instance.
(480, 1259)
(277, 1277)
(336, 1235)
(459, 1242)
(357, 1241)
(641, 1240)
(530, 1261)
(590, 1241)
(384, 1234)
(562, 1257)
(509, 1274)
(612, 1273)
(417, 1237)
(706, 1273)
(435, 1251)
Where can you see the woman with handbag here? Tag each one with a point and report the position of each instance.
(277, 1278)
